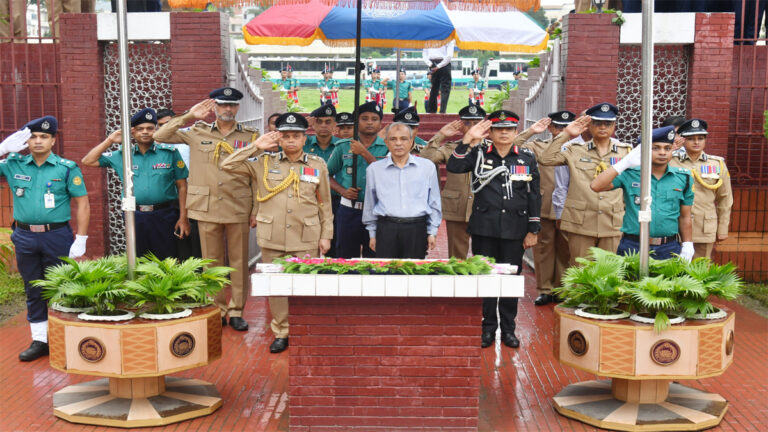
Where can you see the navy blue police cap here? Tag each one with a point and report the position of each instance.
(664, 134)
(291, 122)
(344, 118)
(603, 111)
(326, 110)
(226, 95)
(562, 118)
(693, 127)
(371, 106)
(147, 115)
(47, 124)
(408, 116)
(472, 112)
(503, 119)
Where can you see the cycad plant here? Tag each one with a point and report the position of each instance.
(597, 281)
(718, 280)
(96, 284)
(661, 296)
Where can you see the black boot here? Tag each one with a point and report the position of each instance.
(35, 351)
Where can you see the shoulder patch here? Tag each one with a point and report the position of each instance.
(527, 150)
(580, 143)
(717, 158)
(202, 123)
(253, 159)
(166, 147)
(250, 128)
(313, 157)
(621, 144)
(107, 154)
(67, 163)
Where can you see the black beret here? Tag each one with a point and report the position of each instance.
(147, 115)
(47, 124)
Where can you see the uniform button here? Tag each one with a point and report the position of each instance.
(220, 183)
(503, 211)
(600, 196)
(289, 210)
(599, 212)
(290, 195)
(219, 197)
(287, 226)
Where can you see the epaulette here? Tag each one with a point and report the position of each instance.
(681, 170)
(527, 150)
(717, 158)
(14, 155)
(312, 157)
(203, 124)
(165, 147)
(621, 144)
(67, 163)
(253, 159)
(581, 143)
(250, 129)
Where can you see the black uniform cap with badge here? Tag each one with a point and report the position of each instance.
(47, 124)
(345, 119)
(503, 119)
(693, 127)
(291, 122)
(603, 111)
(371, 107)
(226, 95)
(147, 115)
(664, 134)
(562, 118)
(408, 116)
(326, 110)
(472, 112)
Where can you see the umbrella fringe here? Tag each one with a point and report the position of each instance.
(493, 46)
(464, 5)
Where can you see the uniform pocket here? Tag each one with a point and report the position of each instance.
(311, 229)
(264, 226)
(197, 198)
(618, 215)
(672, 200)
(710, 224)
(450, 201)
(574, 211)
(243, 197)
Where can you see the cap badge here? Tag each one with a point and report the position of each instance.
(327, 111)
(671, 135)
(473, 109)
(45, 125)
(502, 116)
(565, 116)
(227, 92)
(605, 108)
(290, 119)
(344, 116)
(148, 116)
(378, 108)
(408, 116)
(695, 123)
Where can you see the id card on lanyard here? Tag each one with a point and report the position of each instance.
(48, 198)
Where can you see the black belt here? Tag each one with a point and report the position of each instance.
(436, 61)
(40, 227)
(403, 220)
(153, 207)
(653, 241)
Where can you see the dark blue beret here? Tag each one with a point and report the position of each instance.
(664, 134)
(47, 124)
(226, 95)
(603, 111)
(147, 115)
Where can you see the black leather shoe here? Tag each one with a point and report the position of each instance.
(238, 323)
(278, 345)
(35, 351)
(487, 339)
(223, 321)
(510, 340)
(557, 299)
(543, 299)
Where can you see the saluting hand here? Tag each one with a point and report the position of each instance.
(476, 133)
(116, 137)
(541, 125)
(451, 128)
(268, 141)
(578, 126)
(15, 142)
(679, 142)
(201, 110)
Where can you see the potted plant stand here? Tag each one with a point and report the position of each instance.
(641, 365)
(134, 358)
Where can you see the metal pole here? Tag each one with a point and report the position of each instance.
(554, 75)
(129, 201)
(646, 107)
(397, 82)
(357, 84)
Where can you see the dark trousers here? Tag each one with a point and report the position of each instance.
(659, 252)
(352, 234)
(154, 232)
(335, 201)
(401, 240)
(503, 251)
(441, 82)
(35, 252)
(189, 246)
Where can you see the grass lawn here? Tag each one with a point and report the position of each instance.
(12, 297)
(310, 99)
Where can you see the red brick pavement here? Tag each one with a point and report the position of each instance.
(515, 395)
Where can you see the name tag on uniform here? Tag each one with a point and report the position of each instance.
(585, 159)
(161, 165)
(22, 177)
(206, 142)
(50, 202)
(635, 184)
(347, 156)
(275, 171)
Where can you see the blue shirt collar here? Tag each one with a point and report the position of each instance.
(389, 162)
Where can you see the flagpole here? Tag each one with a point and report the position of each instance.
(646, 110)
(357, 84)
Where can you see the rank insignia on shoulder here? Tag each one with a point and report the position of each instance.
(253, 159)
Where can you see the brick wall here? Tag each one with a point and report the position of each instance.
(383, 364)
(82, 118)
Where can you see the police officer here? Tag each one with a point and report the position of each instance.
(159, 184)
(456, 196)
(367, 150)
(43, 184)
(505, 216)
(221, 201)
(322, 144)
(550, 255)
(712, 192)
(294, 214)
(589, 219)
(671, 194)
(476, 89)
(410, 117)
(345, 125)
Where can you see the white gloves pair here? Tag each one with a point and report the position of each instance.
(15, 142)
(78, 246)
(629, 161)
(686, 252)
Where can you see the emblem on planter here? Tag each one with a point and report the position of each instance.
(729, 343)
(91, 349)
(577, 343)
(182, 344)
(665, 352)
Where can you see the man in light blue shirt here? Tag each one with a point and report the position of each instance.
(402, 209)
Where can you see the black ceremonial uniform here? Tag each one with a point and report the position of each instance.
(506, 209)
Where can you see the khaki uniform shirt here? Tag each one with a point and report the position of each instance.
(213, 195)
(456, 196)
(711, 210)
(589, 213)
(546, 173)
(288, 221)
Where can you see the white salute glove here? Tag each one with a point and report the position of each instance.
(15, 142)
(78, 246)
(686, 252)
(629, 161)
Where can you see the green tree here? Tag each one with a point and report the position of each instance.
(539, 17)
